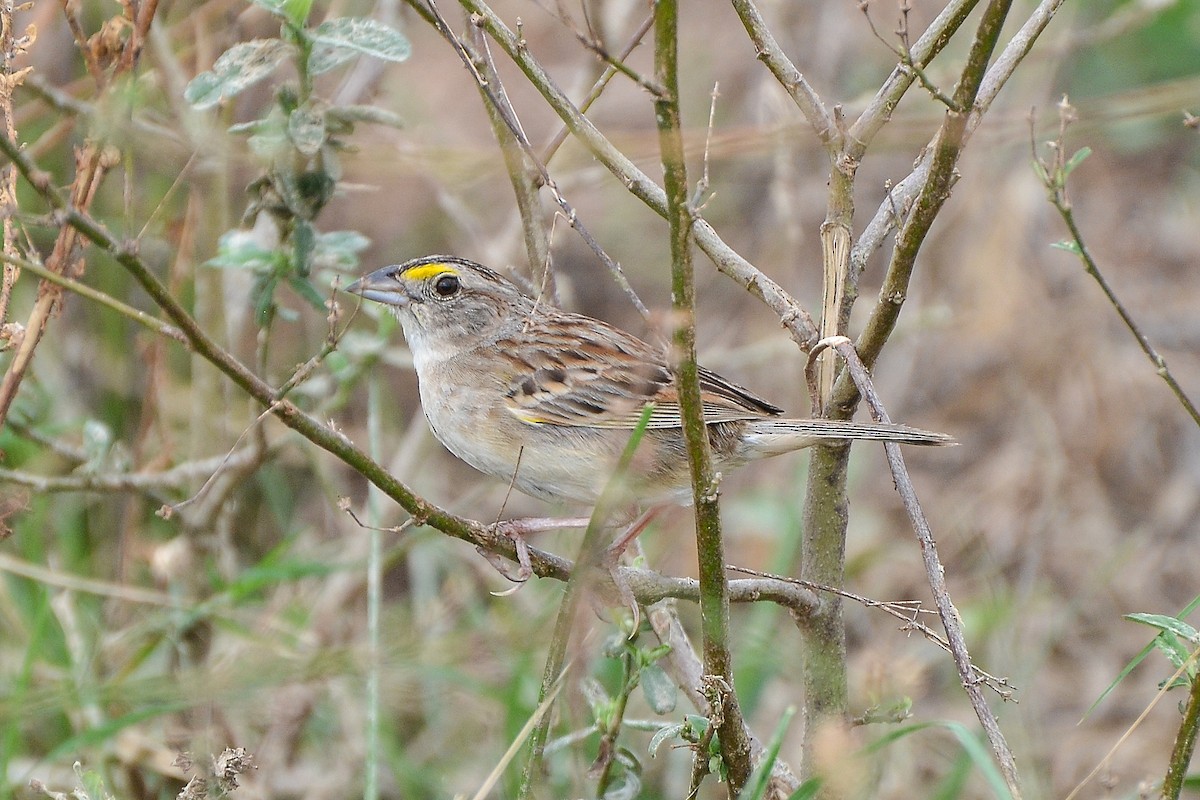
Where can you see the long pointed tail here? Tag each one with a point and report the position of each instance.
(771, 437)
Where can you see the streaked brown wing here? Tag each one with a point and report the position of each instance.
(604, 378)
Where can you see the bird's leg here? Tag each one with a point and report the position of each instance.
(613, 554)
(631, 532)
(517, 529)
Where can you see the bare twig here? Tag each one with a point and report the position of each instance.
(592, 42)
(904, 193)
(503, 111)
(172, 479)
(798, 322)
(599, 86)
(928, 45)
(906, 611)
(934, 571)
(903, 52)
(1053, 173)
(524, 172)
(943, 157)
(792, 80)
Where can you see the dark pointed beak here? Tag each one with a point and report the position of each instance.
(382, 287)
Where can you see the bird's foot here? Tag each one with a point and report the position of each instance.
(517, 530)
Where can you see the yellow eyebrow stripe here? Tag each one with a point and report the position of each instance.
(425, 271)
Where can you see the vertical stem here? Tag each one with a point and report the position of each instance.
(823, 561)
(714, 590)
(8, 175)
(375, 404)
(1185, 745)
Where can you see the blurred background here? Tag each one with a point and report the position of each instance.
(1074, 498)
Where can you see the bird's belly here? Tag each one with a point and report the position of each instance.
(548, 462)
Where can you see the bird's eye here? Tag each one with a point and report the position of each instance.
(446, 285)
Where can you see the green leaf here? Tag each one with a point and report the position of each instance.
(239, 249)
(303, 244)
(306, 128)
(979, 755)
(364, 113)
(627, 787)
(339, 249)
(1167, 624)
(808, 790)
(307, 291)
(1170, 646)
(1075, 160)
(661, 735)
(660, 693)
(336, 41)
(262, 296)
(294, 11)
(91, 783)
(1071, 246)
(238, 67)
(251, 581)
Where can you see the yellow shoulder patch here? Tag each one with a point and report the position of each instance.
(425, 271)
(526, 416)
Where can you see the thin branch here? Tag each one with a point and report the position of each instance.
(465, 52)
(905, 192)
(903, 52)
(524, 172)
(906, 611)
(83, 290)
(598, 87)
(616, 63)
(789, 77)
(934, 190)
(175, 478)
(1054, 173)
(934, 571)
(928, 45)
(798, 322)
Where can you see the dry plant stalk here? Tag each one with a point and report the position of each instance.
(10, 48)
(109, 53)
(92, 162)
